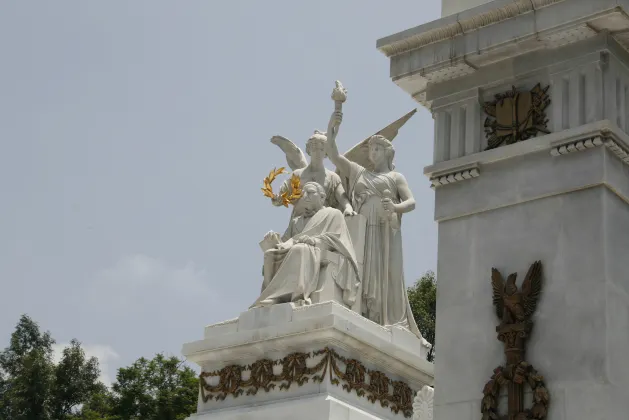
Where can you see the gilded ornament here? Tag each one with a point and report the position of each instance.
(287, 197)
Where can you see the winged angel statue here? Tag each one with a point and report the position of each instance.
(513, 305)
(315, 171)
(311, 172)
(366, 184)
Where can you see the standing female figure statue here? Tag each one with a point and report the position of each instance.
(382, 195)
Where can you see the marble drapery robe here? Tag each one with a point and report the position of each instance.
(385, 299)
(331, 184)
(293, 274)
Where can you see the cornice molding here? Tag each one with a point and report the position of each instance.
(462, 174)
(459, 24)
(585, 137)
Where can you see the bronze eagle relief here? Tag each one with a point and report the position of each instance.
(513, 305)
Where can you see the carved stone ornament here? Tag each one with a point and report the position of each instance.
(514, 309)
(516, 115)
(396, 395)
(423, 404)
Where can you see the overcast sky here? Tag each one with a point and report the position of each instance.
(135, 137)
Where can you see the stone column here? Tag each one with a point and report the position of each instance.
(558, 194)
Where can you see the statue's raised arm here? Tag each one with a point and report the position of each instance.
(339, 96)
(382, 196)
(357, 158)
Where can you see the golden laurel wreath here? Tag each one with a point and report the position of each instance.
(288, 197)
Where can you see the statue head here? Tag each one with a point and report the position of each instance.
(313, 197)
(381, 149)
(315, 145)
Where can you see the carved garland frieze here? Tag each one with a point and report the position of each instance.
(514, 309)
(516, 115)
(396, 395)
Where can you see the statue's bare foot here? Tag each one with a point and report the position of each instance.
(303, 302)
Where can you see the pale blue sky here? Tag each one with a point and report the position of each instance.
(135, 136)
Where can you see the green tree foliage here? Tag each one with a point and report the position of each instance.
(157, 389)
(423, 298)
(76, 379)
(33, 387)
(28, 373)
(98, 406)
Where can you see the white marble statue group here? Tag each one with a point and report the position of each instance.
(345, 230)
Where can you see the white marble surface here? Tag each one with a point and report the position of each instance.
(571, 212)
(319, 407)
(317, 238)
(530, 202)
(328, 289)
(286, 327)
(276, 331)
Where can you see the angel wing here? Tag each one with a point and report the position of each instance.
(294, 156)
(360, 152)
(531, 288)
(498, 286)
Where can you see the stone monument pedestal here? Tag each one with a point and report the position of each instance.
(320, 361)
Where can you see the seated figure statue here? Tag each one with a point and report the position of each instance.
(292, 267)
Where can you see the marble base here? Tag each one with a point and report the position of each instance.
(316, 407)
(321, 340)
